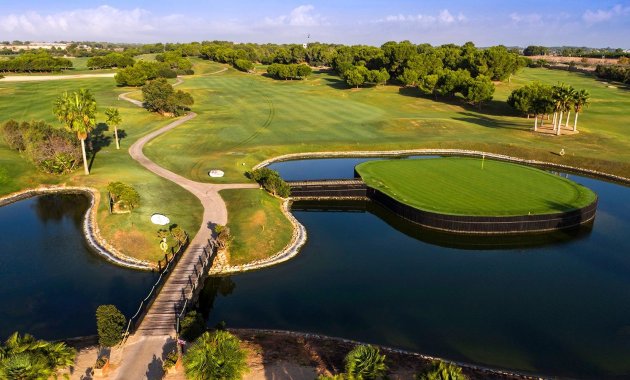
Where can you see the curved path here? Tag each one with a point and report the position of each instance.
(146, 347)
(34, 78)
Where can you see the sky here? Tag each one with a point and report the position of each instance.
(594, 23)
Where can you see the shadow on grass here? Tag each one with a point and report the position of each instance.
(475, 118)
(336, 83)
(98, 140)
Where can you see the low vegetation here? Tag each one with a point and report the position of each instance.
(109, 61)
(110, 325)
(442, 371)
(50, 149)
(618, 73)
(22, 357)
(192, 326)
(215, 355)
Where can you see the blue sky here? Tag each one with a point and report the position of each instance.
(576, 22)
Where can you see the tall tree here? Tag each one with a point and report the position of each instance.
(77, 111)
(114, 119)
(580, 100)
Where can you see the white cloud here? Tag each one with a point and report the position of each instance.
(600, 15)
(444, 17)
(100, 23)
(530, 18)
(300, 16)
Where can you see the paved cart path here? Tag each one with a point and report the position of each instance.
(142, 355)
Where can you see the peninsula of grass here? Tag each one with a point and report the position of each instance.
(474, 187)
(259, 228)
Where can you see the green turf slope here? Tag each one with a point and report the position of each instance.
(459, 186)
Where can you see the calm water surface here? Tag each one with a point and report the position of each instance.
(557, 304)
(50, 282)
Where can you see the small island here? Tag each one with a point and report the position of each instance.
(472, 195)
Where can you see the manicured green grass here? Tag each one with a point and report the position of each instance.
(245, 118)
(133, 233)
(471, 186)
(257, 224)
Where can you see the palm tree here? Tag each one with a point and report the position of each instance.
(571, 97)
(215, 355)
(365, 362)
(443, 371)
(562, 101)
(24, 357)
(78, 113)
(113, 118)
(580, 100)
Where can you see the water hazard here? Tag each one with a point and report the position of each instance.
(556, 304)
(50, 281)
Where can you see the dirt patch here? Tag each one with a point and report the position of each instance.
(276, 355)
(135, 242)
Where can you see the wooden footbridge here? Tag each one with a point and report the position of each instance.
(178, 286)
(334, 188)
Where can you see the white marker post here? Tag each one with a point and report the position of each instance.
(483, 159)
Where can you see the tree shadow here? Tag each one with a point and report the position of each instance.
(98, 140)
(213, 287)
(154, 369)
(122, 134)
(475, 118)
(336, 83)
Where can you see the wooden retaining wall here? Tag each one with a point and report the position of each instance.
(464, 224)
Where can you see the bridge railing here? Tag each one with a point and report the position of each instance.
(200, 268)
(155, 290)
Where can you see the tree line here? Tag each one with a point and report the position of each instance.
(110, 60)
(39, 61)
(539, 99)
(618, 73)
(143, 71)
(289, 71)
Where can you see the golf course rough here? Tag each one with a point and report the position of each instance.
(474, 187)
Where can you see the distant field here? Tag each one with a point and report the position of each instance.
(244, 119)
(461, 186)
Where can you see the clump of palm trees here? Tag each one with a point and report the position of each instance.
(540, 100)
(24, 357)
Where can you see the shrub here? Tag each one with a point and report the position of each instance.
(192, 326)
(243, 65)
(216, 355)
(271, 181)
(443, 371)
(110, 324)
(159, 96)
(52, 150)
(223, 235)
(365, 362)
(126, 196)
(170, 360)
(24, 357)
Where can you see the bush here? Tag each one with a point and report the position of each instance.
(243, 65)
(365, 363)
(170, 360)
(271, 181)
(192, 326)
(443, 371)
(52, 150)
(160, 96)
(126, 196)
(216, 355)
(223, 235)
(110, 324)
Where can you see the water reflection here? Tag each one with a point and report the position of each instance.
(445, 239)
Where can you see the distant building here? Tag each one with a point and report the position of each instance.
(35, 46)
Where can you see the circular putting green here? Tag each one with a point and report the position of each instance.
(474, 187)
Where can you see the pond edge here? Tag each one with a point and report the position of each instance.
(90, 226)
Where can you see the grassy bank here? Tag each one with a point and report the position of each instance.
(258, 226)
(133, 233)
(461, 186)
(245, 118)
